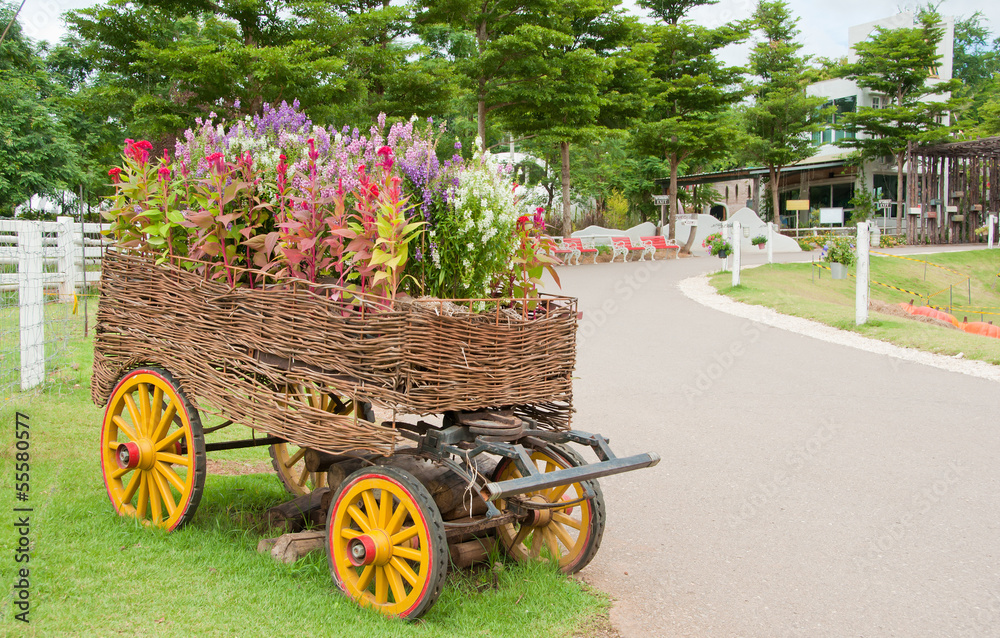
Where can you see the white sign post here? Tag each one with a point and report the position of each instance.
(737, 253)
(770, 242)
(861, 294)
(991, 221)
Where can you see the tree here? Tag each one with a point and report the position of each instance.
(779, 121)
(977, 64)
(691, 92)
(898, 63)
(512, 38)
(566, 108)
(37, 157)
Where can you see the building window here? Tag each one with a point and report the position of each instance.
(837, 125)
(879, 101)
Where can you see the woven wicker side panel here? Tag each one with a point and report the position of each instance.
(474, 362)
(209, 340)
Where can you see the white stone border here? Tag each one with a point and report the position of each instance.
(698, 289)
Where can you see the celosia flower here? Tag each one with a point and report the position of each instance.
(115, 174)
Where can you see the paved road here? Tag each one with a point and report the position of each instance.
(806, 489)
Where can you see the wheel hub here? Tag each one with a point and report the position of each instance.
(369, 548)
(133, 455)
(539, 517)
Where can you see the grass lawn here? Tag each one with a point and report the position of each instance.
(791, 289)
(93, 573)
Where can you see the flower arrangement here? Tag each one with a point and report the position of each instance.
(839, 250)
(982, 231)
(759, 240)
(379, 213)
(717, 246)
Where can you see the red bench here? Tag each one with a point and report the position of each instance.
(654, 243)
(623, 246)
(573, 246)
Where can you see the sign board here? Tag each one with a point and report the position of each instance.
(661, 200)
(915, 210)
(687, 219)
(832, 216)
(884, 203)
(797, 204)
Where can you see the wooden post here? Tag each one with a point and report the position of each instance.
(67, 259)
(770, 242)
(861, 292)
(31, 303)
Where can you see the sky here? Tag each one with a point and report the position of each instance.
(823, 23)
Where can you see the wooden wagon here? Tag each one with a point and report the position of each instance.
(479, 389)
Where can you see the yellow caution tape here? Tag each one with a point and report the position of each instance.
(75, 303)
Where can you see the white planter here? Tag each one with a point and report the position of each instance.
(839, 270)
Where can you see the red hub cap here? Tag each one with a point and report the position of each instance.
(128, 455)
(361, 551)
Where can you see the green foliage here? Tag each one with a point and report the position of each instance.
(864, 204)
(840, 250)
(778, 122)
(616, 213)
(977, 64)
(37, 155)
(896, 63)
(717, 246)
(758, 240)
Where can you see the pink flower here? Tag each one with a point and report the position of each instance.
(217, 162)
(115, 174)
(164, 172)
(313, 153)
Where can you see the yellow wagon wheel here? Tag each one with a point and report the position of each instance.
(565, 527)
(386, 541)
(152, 449)
(288, 459)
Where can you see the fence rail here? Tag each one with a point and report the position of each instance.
(35, 256)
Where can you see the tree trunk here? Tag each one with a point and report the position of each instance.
(686, 249)
(566, 212)
(900, 200)
(773, 172)
(672, 217)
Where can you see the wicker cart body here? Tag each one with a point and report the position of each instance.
(499, 382)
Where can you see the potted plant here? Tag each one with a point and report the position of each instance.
(759, 241)
(717, 246)
(839, 251)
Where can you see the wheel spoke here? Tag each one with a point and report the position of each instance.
(157, 406)
(536, 544)
(551, 543)
(143, 498)
(147, 422)
(120, 472)
(556, 492)
(404, 535)
(156, 507)
(381, 587)
(396, 522)
(295, 458)
(170, 475)
(124, 427)
(563, 519)
(359, 517)
(134, 413)
(561, 533)
(349, 533)
(174, 437)
(385, 509)
(165, 495)
(371, 507)
(404, 568)
(133, 485)
(407, 553)
(172, 459)
(522, 533)
(365, 578)
(303, 476)
(165, 418)
(395, 584)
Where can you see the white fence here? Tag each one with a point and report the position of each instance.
(35, 256)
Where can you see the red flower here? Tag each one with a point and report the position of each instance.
(114, 173)
(282, 173)
(313, 153)
(164, 172)
(138, 151)
(522, 221)
(217, 162)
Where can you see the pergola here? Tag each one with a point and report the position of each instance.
(951, 189)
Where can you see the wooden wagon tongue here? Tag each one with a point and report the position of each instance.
(496, 427)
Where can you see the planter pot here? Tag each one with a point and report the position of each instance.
(958, 218)
(839, 270)
(723, 254)
(761, 246)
